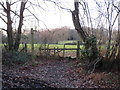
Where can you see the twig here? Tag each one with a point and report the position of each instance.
(95, 65)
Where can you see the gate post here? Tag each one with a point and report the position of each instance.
(32, 43)
(26, 47)
(77, 51)
(64, 50)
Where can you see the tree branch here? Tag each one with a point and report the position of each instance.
(2, 4)
(69, 10)
(15, 13)
(38, 5)
(3, 19)
(3, 29)
(3, 14)
(14, 2)
(116, 7)
(32, 14)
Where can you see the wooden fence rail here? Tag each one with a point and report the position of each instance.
(47, 50)
(58, 50)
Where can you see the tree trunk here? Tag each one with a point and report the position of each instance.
(9, 27)
(109, 43)
(18, 36)
(77, 25)
(91, 51)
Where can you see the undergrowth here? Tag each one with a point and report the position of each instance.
(15, 57)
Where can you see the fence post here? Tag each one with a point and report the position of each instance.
(48, 49)
(40, 50)
(54, 51)
(64, 50)
(32, 43)
(45, 49)
(49, 52)
(26, 47)
(77, 51)
(57, 51)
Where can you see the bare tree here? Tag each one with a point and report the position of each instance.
(10, 17)
(76, 22)
(110, 14)
(7, 10)
(18, 36)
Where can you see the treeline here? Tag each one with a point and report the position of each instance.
(53, 36)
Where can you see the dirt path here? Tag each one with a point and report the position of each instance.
(54, 73)
(58, 73)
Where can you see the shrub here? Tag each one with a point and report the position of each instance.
(90, 52)
(15, 57)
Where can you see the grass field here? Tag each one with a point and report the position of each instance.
(68, 41)
(60, 45)
(37, 46)
(71, 53)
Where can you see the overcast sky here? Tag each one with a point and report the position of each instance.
(52, 17)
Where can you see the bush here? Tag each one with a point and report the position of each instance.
(15, 57)
(90, 52)
(111, 65)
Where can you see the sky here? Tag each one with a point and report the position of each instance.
(51, 16)
(54, 17)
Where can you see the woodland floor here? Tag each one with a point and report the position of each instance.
(57, 73)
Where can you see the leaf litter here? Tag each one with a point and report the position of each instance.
(57, 74)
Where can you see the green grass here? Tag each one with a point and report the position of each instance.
(68, 41)
(59, 45)
(37, 46)
(62, 46)
(51, 46)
